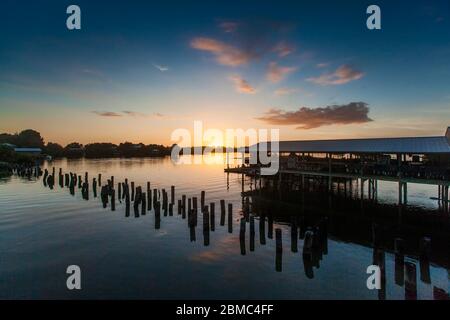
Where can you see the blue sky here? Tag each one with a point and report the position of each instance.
(293, 65)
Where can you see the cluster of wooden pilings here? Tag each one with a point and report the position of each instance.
(405, 273)
(27, 171)
(314, 237)
(144, 200)
(162, 201)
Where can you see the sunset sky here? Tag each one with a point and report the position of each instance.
(137, 70)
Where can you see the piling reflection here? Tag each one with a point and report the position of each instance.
(420, 239)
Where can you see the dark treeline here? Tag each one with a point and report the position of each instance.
(33, 139)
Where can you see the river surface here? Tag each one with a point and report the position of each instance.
(43, 231)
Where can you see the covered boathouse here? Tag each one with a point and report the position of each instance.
(423, 160)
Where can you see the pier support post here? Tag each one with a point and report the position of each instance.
(279, 250)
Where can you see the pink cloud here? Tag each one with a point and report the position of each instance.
(309, 118)
(342, 75)
(225, 54)
(277, 73)
(242, 85)
(283, 49)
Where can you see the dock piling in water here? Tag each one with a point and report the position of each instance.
(212, 213)
(242, 236)
(222, 212)
(279, 250)
(230, 218)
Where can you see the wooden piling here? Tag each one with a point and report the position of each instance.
(212, 213)
(132, 190)
(252, 233)
(183, 203)
(113, 200)
(279, 250)
(206, 227)
(149, 196)
(172, 195)
(202, 199)
(242, 236)
(194, 203)
(222, 212)
(230, 218)
(262, 230)
(144, 204)
(410, 281)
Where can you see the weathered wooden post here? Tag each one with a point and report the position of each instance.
(242, 236)
(410, 281)
(144, 204)
(94, 187)
(252, 233)
(112, 182)
(149, 196)
(202, 199)
(222, 212)
(205, 227)
(230, 218)
(79, 182)
(194, 203)
(157, 215)
(172, 195)
(132, 190)
(279, 250)
(179, 207)
(113, 200)
(99, 179)
(170, 209)
(183, 203)
(119, 194)
(213, 215)
(44, 178)
(262, 230)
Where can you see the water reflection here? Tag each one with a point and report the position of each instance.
(303, 223)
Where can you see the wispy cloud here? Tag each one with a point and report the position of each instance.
(229, 26)
(276, 73)
(283, 49)
(161, 68)
(285, 91)
(134, 113)
(107, 113)
(242, 85)
(322, 65)
(342, 75)
(225, 54)
(128, 113)
(309, 118)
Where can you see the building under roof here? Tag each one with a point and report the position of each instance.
(28, 150)
(409, 145)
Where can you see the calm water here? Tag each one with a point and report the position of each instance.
(42, 231)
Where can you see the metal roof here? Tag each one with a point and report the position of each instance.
(412, 145)
(27, 149)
